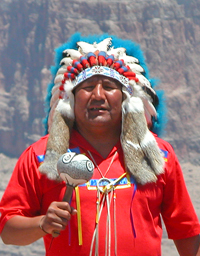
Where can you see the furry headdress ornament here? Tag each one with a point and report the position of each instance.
(122, 60)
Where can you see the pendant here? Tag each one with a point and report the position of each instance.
(104, 185)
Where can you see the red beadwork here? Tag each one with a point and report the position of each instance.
(92, 61)
(61, 88)
(118, 64)
(77, 65)
(84, 62)
(69, 76)
(72, 70)
(129, 73)
(110, 60)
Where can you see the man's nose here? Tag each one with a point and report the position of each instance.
(98, 91)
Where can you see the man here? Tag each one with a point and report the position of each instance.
(101, 106)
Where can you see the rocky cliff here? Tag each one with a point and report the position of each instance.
(167, 30)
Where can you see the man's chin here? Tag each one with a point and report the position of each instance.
(100, 120)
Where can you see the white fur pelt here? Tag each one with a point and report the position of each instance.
(61, 120)
(141, 153)
(57, 145)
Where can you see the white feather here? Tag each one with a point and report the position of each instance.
(140, 93)
(54, 97)
(116, 52)
(62, 70)
(74, 54)
(104, 45)
(55, 88)
(136, 68)
(67, 61)
(65, 107)
(68, 87)
(58, 78)
(148, 106)
(128, 59)
(133, 105)
(85, 48)
(143, 80)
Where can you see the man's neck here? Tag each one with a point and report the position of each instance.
(103, 141)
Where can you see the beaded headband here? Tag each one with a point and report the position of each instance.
(105, 71)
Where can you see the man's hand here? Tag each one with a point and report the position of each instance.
(56, 218)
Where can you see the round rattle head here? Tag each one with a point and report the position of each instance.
(75, 169)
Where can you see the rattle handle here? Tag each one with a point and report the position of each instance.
(68, 193)
(66, 198)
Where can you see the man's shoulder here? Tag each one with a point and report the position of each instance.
(163, 144)
(40, 145)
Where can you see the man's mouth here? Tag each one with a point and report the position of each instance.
(97, 109)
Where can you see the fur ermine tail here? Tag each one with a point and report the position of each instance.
(57, 144)
(142, 155)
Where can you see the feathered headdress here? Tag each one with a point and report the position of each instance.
(119, 59)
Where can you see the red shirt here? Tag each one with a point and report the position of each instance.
(29, 194)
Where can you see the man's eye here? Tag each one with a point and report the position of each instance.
(89, 87)
(109, 87)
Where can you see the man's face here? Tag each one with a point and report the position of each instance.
(98, 102)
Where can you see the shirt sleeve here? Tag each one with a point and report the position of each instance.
(177, 209)
(23, 193)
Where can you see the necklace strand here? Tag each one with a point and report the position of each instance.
(111, 162)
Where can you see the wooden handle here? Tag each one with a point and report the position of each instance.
(68, 194)
(66, 198)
